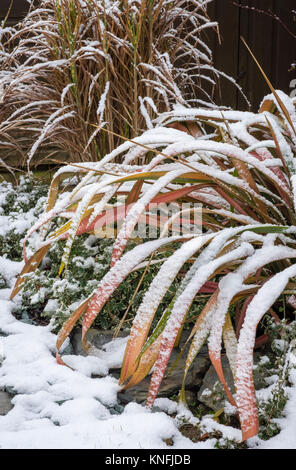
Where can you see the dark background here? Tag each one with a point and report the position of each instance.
(273, 46)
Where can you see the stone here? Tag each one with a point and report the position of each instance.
(191, 397)
(3, 283)
(192, 432)
(116, 409)
(5, 403)
(169, 442)
(25, 318)
(172, 383)
(10, 390)
(212, 392)
(68, 350)
(97, 338)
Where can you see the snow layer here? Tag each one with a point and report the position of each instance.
(57, 407)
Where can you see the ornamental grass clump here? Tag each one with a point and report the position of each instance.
(241, 167)
(71, 63)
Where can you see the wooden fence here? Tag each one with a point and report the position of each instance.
(273, 45)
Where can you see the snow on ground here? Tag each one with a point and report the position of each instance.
(56, 407)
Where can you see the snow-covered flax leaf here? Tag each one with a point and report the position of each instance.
(149, 352)
(146, 362)
(133, 216)
(152, 298)
(54, 187)
(118, 273)
(279, 140)
(86, 201)
(263, 300)
(44, 219)
(81, 213)
(106, 217)
(233, 284)
(95, 302)
(89, 223)
(161, 283)
(208, 287)
(54, 209)
(181, 307)
(104, 199)
(230, 343)
(200, 333)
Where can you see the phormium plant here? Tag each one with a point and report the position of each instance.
(241, 167)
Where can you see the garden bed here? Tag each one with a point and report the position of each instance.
(54, 406)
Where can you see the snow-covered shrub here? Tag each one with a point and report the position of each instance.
(72, 64)
(47, 297)
(20, 206)
(241, 167)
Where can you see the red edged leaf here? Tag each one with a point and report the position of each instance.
(30, 266)
(263, 300)
(116, 275)
(159, 199)
(146, 361)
